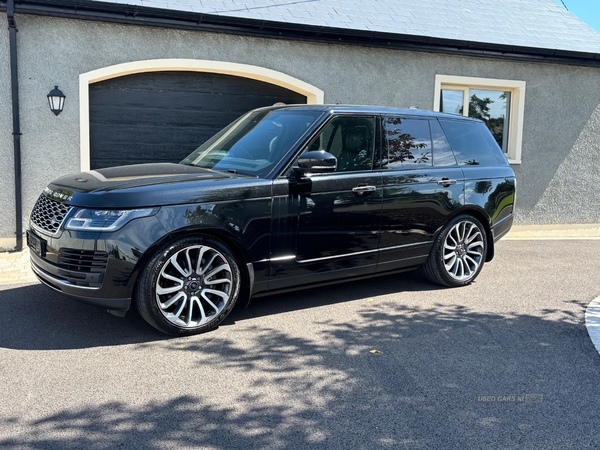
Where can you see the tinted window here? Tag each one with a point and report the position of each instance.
(350, 140)
(470, 143)
(442, 152)
(255, 142)
(408, 143)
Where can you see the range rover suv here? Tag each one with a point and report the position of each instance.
(283, 198)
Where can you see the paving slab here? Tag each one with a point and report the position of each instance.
(15, 268)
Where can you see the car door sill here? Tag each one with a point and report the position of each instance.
(331, 282)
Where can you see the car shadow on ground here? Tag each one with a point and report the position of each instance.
(37, 318)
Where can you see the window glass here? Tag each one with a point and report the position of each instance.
(254, 143)
(468, 140)
(492, 107)
(350, 140)
(408, 143)
(451, 101)
(496, 150)
(442, 152)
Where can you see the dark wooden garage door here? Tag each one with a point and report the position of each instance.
(164, 116)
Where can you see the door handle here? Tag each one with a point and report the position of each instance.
(446, 182)
(360, 190)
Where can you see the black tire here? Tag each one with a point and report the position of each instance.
(458, 253)
(177, 291)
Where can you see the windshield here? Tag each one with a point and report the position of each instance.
(255, 142)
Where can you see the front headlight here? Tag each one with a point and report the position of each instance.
(104, 220)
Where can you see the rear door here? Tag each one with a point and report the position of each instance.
(422, 186)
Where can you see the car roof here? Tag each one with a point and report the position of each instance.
(367, 109)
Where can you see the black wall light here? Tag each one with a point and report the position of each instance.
(56, 100)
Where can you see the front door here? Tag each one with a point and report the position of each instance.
(336, 217)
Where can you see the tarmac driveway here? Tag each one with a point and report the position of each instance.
(451, 368)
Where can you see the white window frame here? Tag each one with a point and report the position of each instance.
(516, 111)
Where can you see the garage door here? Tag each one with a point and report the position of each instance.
(164, 116)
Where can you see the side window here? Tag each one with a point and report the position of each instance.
(408, 143)
(442, 152)
(350, 140)
(470, 143)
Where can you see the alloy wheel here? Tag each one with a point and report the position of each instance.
(463, 250)
(194, 286)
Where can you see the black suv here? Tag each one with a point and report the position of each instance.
(285, 197)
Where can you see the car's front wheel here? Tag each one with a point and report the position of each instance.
(189, 286)
(458, 253)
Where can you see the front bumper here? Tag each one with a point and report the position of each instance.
(55, 278)
(96, 268)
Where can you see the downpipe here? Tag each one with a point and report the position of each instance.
(14, 82)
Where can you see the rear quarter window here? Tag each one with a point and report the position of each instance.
(443, 156)
(472, 143)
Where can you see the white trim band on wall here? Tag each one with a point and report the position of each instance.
(313, 94)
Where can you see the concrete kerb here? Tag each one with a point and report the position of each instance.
(570, 231)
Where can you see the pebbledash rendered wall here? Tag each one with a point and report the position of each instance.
(557, 180)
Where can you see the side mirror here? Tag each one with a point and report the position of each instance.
(318, 161)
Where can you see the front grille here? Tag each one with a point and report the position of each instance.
(49, 214)
(83, 260)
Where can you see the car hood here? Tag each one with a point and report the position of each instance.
(143, 185)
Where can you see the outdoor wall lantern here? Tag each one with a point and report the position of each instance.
(56, 99)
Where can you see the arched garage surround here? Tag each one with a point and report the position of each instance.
(280, 81)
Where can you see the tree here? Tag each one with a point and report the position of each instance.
(479, 108)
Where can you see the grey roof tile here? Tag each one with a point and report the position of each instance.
(297, 13)
(216, 4)
(159, 5)
(320, 15)
(183, 7)
(529, 23)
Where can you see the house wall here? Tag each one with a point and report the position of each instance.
(556, 180)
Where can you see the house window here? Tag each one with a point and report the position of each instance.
(498, 103)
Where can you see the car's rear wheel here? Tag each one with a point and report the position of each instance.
(458, 253)
(189, 286)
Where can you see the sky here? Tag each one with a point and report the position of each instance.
(586, 10)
